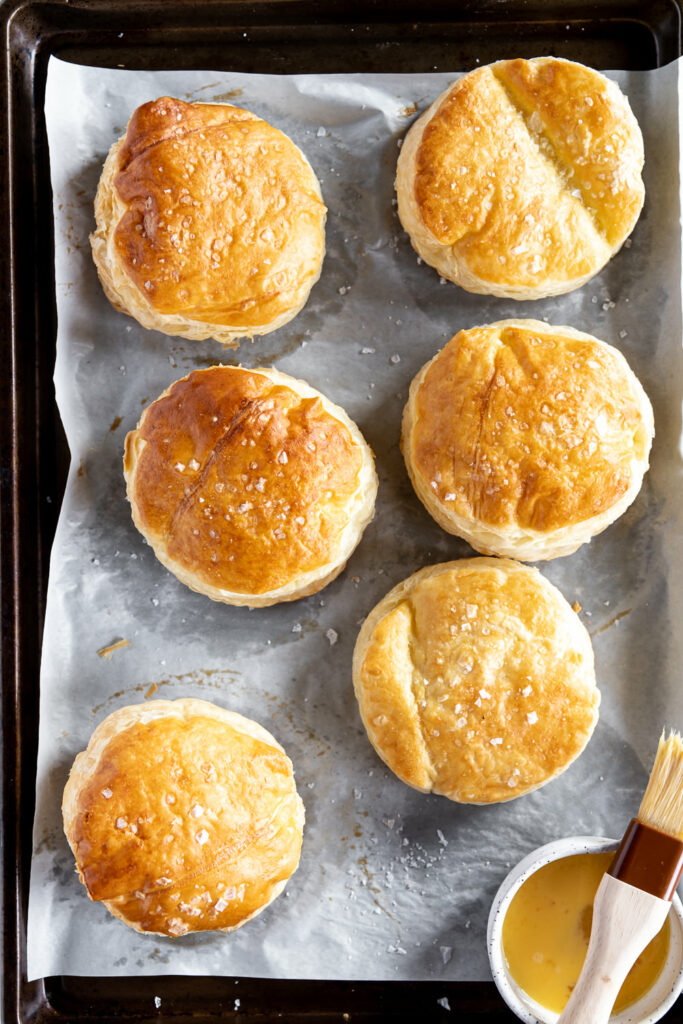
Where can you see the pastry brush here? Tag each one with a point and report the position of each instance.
(635, 894)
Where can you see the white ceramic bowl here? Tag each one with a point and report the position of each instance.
(648, 1009)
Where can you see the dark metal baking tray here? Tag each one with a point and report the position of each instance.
(284, 36)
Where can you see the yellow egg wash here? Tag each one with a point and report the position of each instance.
(547, 927)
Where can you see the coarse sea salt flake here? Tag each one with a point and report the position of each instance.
(496, 741)
(532, 717)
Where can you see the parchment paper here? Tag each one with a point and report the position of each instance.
(392, 883)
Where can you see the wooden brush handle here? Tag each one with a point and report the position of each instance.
(625, 919)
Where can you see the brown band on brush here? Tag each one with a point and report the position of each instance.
(649, 860)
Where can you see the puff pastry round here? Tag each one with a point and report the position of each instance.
(526, 439)
(475, 680)
(183, 817)
(250, 486)
(523, 178)
(210, 222)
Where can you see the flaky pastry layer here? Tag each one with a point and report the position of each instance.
(251, 487)
(183, 817)
(526, 439)
(475, 680)
(523, 178)
(210, 222)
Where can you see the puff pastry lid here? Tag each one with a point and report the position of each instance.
(475, 680)
(183, 817)
(527, 438)
(523, 178)
(250, 485)
(214, 215)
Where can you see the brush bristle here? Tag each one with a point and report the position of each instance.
(662, 804)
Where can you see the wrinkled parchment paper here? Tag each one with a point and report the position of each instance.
(392, 884)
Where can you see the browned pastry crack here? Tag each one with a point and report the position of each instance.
(548, 150)
(523, 178)
(524, 426)
(246, 481)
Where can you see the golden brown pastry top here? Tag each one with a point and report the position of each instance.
(243, 482)
(524, 423)
(532, 170)
(223, 218)
(183, 817)
(475, 680)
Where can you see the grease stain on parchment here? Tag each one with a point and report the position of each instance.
(612, 622)
(200, 677)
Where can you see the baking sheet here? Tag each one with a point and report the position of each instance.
(392, 884)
